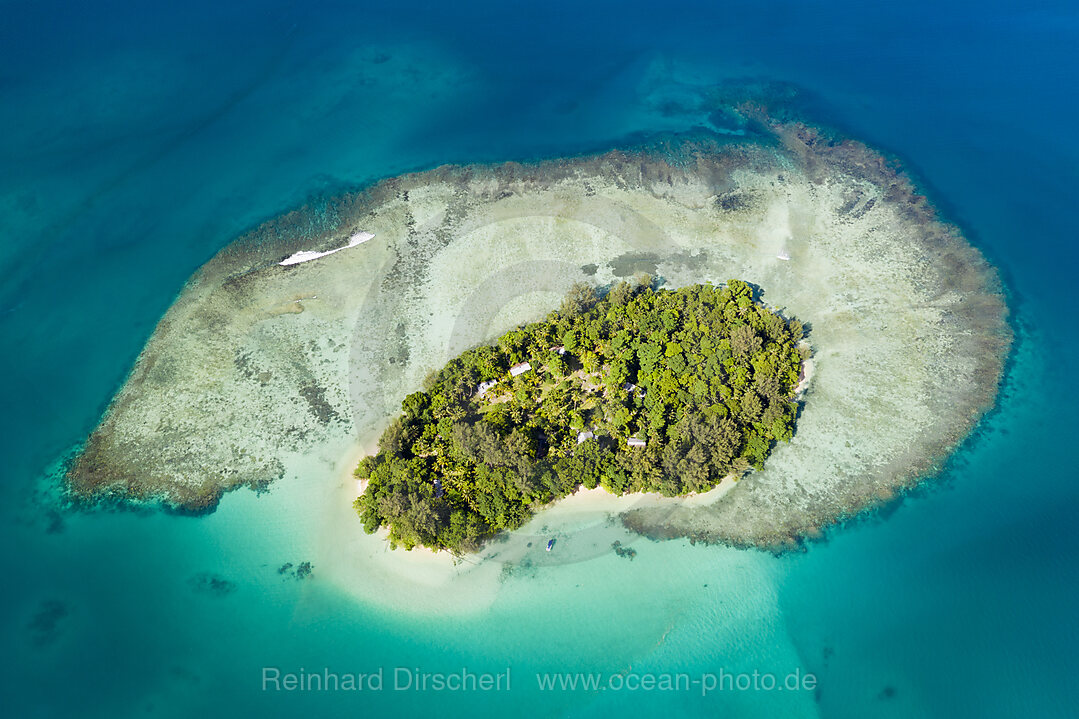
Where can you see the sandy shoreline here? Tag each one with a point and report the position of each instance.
(585, 525)
(585, 504)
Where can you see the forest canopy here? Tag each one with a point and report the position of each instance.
(643, 389)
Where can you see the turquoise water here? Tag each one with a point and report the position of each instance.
(137, 141)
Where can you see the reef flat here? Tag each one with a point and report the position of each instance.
(258, 365)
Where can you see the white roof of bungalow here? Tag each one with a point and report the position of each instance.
(582, 436)
(519, 369)
(482, 387)
(634, 442)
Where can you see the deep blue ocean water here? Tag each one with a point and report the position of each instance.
(136, 139)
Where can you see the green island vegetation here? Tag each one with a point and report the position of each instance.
(643, 389)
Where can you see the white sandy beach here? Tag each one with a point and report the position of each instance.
(308, 255)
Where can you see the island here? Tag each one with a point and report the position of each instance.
(262, 372)
(642, 390)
